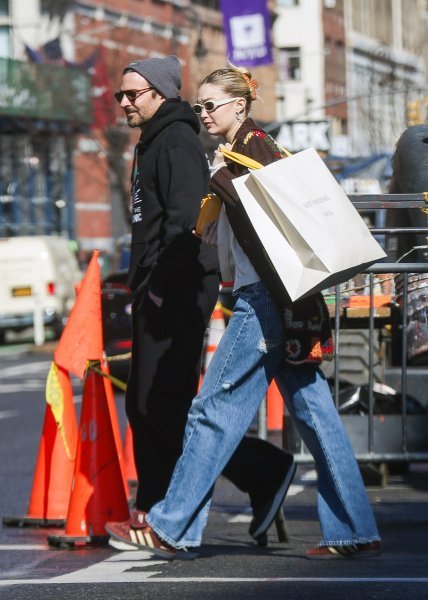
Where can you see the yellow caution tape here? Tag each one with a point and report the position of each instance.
(119, 357)
(225, 311)
(92, 365)
(121, 385)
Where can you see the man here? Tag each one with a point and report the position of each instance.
(174, 277)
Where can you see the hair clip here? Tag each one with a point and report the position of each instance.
(253, 84)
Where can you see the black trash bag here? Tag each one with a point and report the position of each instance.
(354, 400)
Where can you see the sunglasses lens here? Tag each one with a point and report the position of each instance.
(197, 108)
(130, 94)
(209, 105)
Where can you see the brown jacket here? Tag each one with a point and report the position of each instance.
(306, 321)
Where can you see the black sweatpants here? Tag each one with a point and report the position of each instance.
(167, 346)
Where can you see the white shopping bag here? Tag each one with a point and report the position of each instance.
(312, 233)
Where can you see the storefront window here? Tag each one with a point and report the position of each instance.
(4, 8)
(4, 42)
(289, 63)
(4, 29)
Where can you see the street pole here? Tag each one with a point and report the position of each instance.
(39, 330)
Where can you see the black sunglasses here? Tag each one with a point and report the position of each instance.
(132, 95)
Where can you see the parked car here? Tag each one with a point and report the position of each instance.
(116, 299)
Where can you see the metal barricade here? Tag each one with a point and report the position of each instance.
(376, 433)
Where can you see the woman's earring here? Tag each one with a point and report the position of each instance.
(238, 117)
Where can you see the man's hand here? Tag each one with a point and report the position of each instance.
(155, 299)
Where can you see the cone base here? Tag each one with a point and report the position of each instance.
(76, 542)
(32, 522)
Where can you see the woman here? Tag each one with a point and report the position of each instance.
(267, 337)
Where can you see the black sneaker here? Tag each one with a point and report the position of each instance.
(264, 514)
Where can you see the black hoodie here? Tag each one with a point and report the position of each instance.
(171, 178)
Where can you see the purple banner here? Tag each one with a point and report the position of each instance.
(247, 29)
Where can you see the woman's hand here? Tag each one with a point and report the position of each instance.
(209, 235)
(218, 156)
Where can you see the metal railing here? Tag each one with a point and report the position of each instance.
(377, 437)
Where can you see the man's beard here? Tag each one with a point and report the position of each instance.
(134, 119)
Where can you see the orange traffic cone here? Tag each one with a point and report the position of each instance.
(214, 334)
(97, 494)
(115, 425)
(275, 407)
(82, 337)
(128, 451)
(55, 461)
(201, 379)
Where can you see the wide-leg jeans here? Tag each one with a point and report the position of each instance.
(249, 355)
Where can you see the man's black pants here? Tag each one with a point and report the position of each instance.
(167, 346)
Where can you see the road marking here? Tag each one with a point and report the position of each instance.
(24, 386)
(121, 568)
(309, 475)
(293, 490)
(105, 576)
(115, 569)
(25, 369)
(7, 414)
(246, 517)
(240, 518)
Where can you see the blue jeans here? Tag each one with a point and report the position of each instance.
(249, 355)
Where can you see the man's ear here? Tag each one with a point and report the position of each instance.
(156, 94)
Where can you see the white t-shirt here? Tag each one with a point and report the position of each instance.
(234, 263)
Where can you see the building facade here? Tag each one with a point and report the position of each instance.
(42, 107)
(386, 46)
(347, 77)
(83, 175)
(358, 64)
(309, 37)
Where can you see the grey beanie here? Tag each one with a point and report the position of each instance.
(164, 74)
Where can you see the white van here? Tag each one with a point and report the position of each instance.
(36, 273)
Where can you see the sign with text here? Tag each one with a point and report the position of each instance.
(300, 135)
(44, 91)
(247, 30)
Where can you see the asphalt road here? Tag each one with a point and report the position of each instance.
(229, 565)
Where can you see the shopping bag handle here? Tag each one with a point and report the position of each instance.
(244, 160)
(241, 159)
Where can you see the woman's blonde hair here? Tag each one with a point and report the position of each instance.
(235, 81)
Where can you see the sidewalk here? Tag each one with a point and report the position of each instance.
(401, 510)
